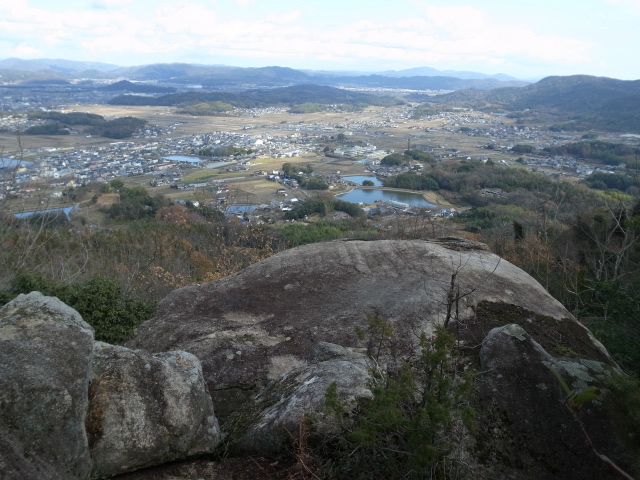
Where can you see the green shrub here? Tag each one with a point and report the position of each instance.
(100, 301)
(407, 429)
(103, 305)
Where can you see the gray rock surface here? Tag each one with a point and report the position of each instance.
(253, 326)
(268, 423)
(147, 409)
(45, 355)
(526, 430)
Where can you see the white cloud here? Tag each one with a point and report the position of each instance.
(284, 18)
(430, 35)
(104, 4)
(632, 4)
(26, 51)
(186, 18)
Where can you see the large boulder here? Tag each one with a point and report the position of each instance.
(253, 326)
(268, 423)
(45, 356)
(147, 409)
(527, 429)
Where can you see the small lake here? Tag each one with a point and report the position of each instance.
(361, 178)
(370, 195)
(66, 211)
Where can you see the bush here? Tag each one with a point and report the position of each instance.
(412, 181)
(603, 181)
(103, 305)
(323, 207)
(523, 148)
(394, 159)
(406, 430)
(136, 203)
(100, 301)
(301, 234)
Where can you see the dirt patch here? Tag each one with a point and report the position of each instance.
(108, 199)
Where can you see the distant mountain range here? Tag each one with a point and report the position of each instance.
(423, 78)
(56, 65)
(432, 72)
(580, 100)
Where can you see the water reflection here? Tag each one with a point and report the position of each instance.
(361, 178)
(370, 195)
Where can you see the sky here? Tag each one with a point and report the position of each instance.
(524, 39)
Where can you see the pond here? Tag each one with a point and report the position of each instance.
(361, 178)
(66, 211)
(370, 195)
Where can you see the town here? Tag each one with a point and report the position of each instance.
(337, 145)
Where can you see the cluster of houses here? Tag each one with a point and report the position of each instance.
(128, 158)
(566, 166)
(24, 98)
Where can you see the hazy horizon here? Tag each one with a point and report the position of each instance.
(597, 37)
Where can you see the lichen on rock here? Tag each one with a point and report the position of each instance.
(147, 409)
(45, 355)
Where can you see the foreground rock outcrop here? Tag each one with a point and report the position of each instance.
(267, 343)
(252, 327)
(72, 408)
(528, 432)
(45, 356)
(267, 424)
(255, 333)
(147, 409)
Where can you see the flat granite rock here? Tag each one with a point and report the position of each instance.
(251, 327)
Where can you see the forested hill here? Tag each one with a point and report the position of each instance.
(209, 75)
(127, 86)
(592, 102)
(297, 94)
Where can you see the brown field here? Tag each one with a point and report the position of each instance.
(190, 125)
(107, 199)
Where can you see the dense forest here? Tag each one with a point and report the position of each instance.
(126, 85)
(207, 108)
(292, 96)
(604, 152)
(59, 123)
